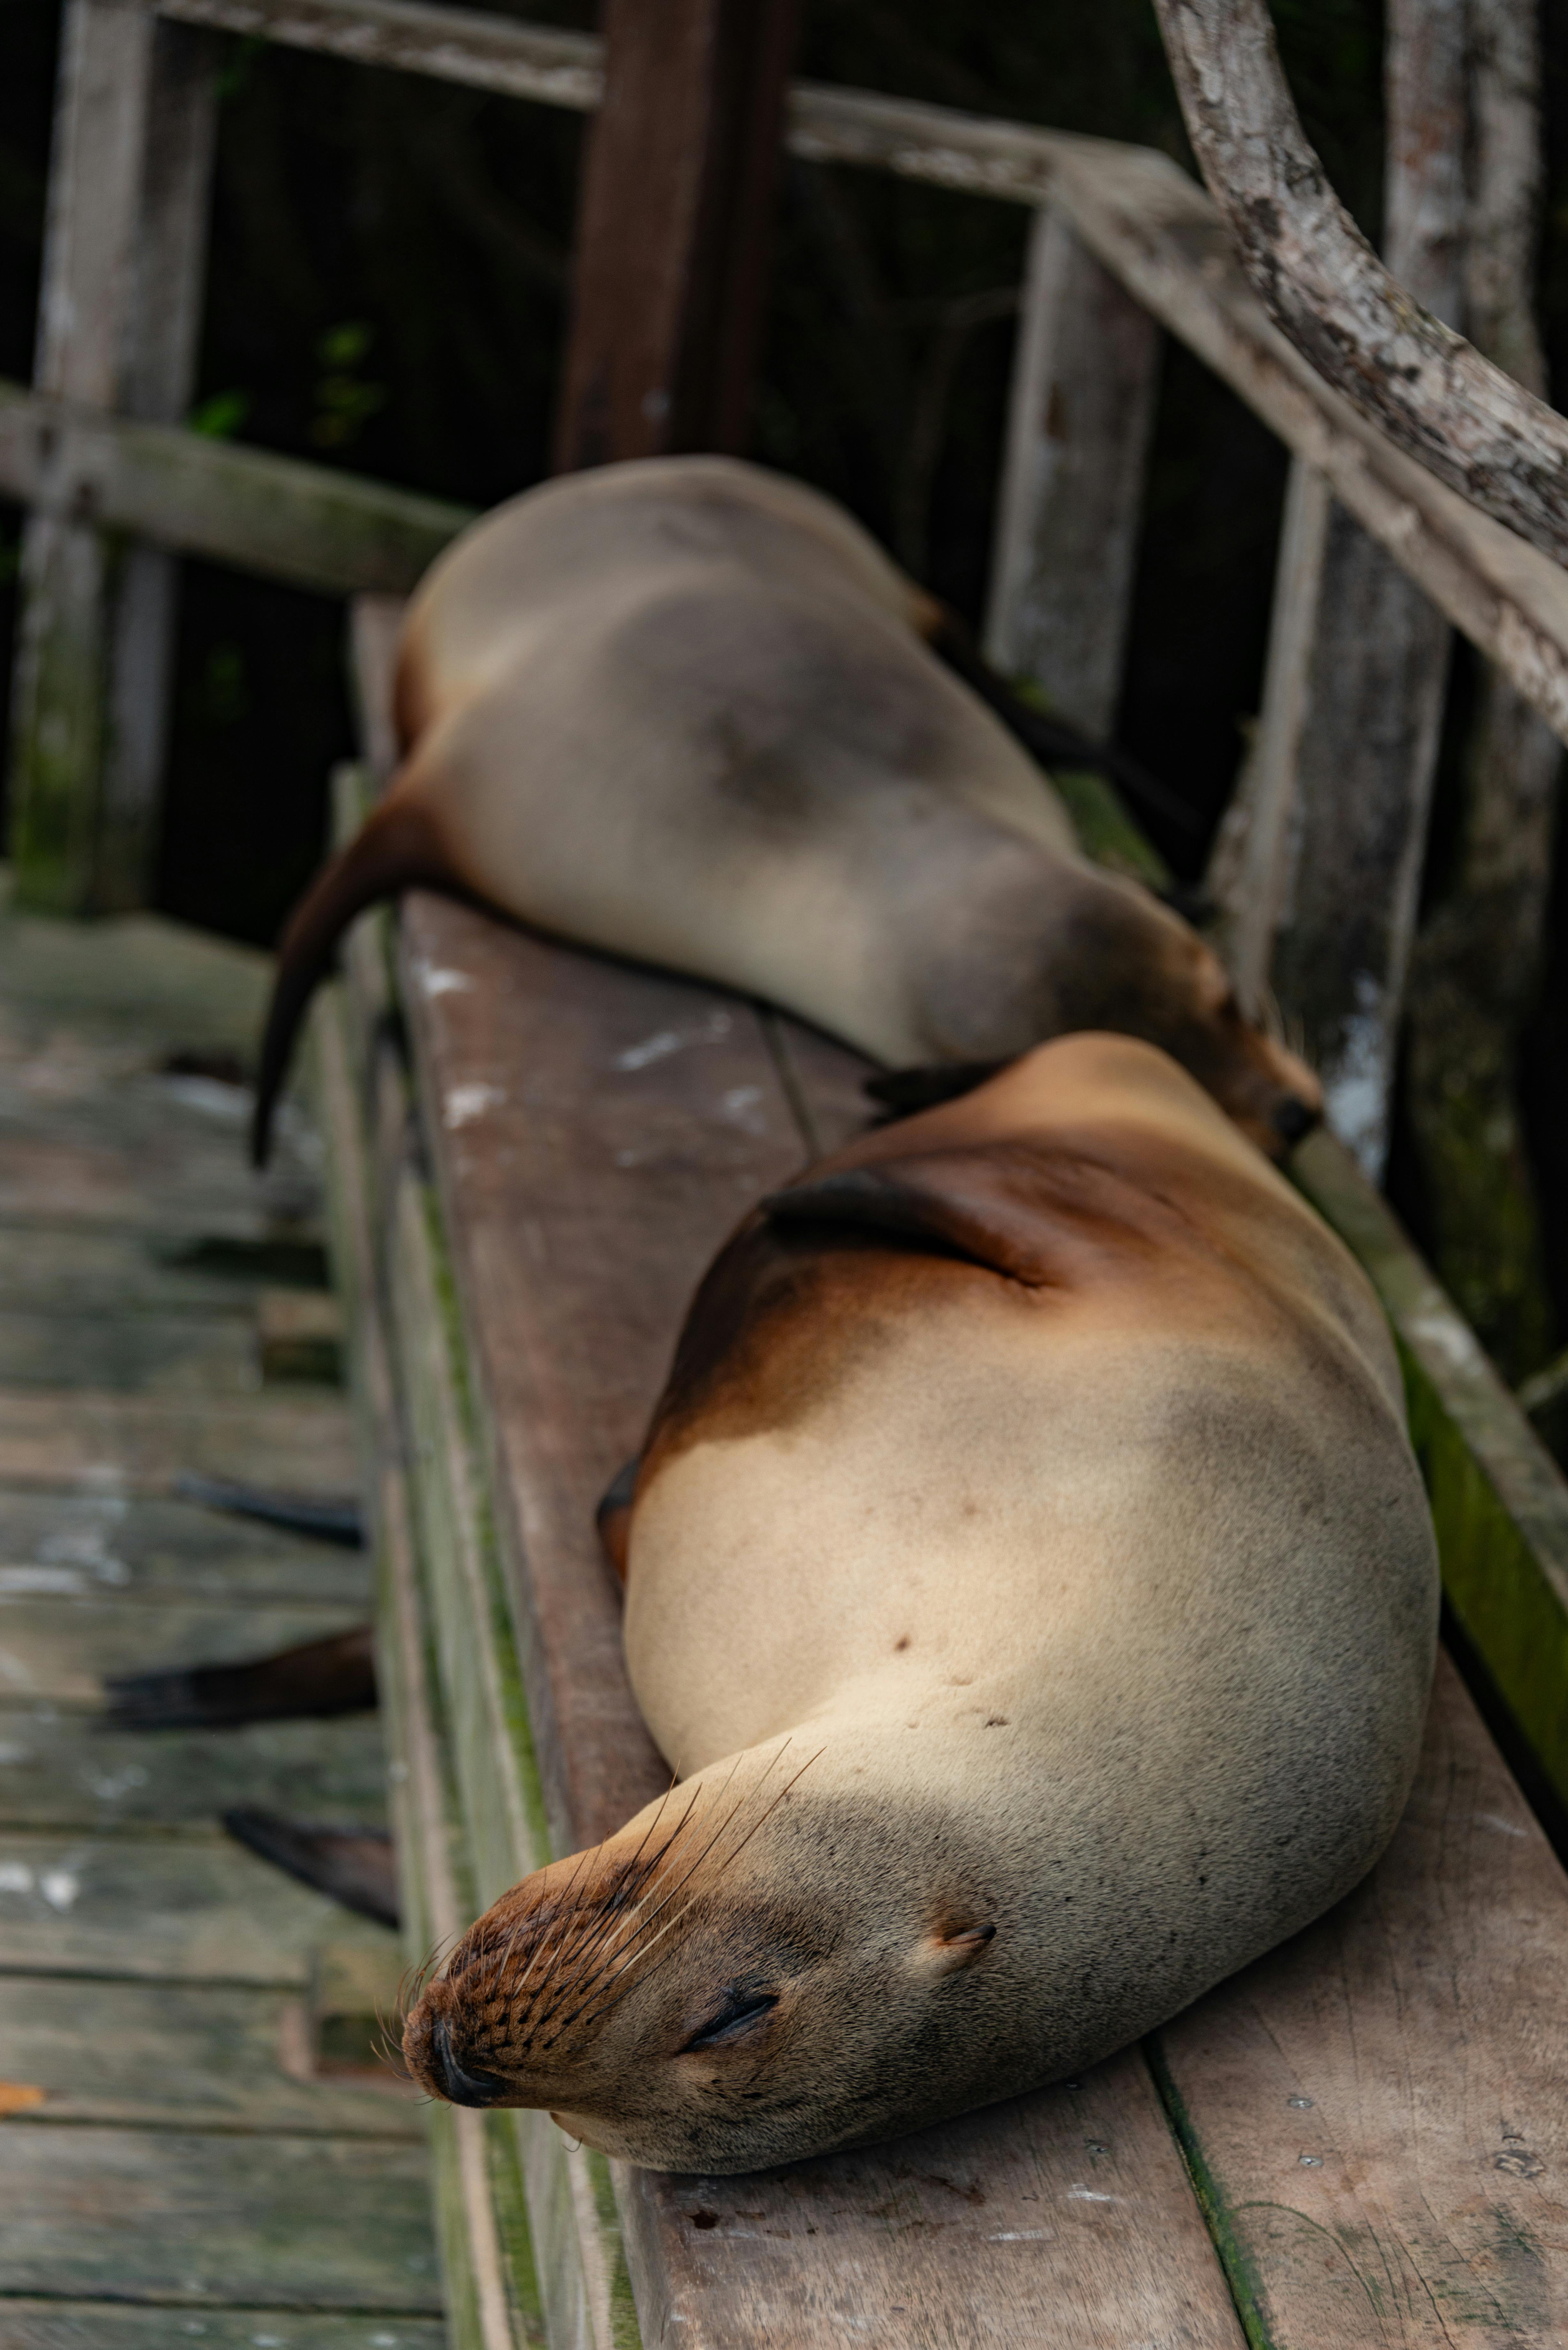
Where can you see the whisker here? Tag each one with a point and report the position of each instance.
(638, 1955)
(570, 1988)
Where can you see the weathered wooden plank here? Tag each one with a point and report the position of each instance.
(1348, 782)
(73, 1546)
(493, 2294)
(66, 2325)
(123, 263)
(308, 525)
(186, 1910)
(1499, 1501)
(478, 49)
(1060, 2219)
(58, 1771)
(46, 1268)
(185, 2056)
(143, 1444)
(1071, 486)
(670, 278)
(142, 978)
(1375, 2111)
(136, 1353)
(574, 1109)
(59, 689)
(189, 2220)
(165, 307)
(1334, 802)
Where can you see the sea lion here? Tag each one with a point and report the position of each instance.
(1029, 1571)
(683, 710)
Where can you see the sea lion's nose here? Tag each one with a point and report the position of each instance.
(458, 2086)
(1292, 1118)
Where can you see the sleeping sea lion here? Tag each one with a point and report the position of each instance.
(1028, 1570)
(683, 710)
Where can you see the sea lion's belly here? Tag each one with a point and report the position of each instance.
(1111, 1524)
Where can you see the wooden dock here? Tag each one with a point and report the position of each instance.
(192, 2146)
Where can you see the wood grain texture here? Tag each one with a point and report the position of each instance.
(58, 1771)
(66, 2324)
(1059, 2220)
(188, 2218)
(187, 1909)
(596, 1132)
(127, 1444)
(77, 1545)
(673, 229)
(1378, 2107)
(1082, 403)
(182, 2055)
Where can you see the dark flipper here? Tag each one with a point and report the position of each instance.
(613, 1517)
(321, 1679)
(327, 1520)
(396, 848)
(357, 1867)
(901, 1093)
(1052, 741)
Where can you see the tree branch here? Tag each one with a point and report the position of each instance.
(1328, 292)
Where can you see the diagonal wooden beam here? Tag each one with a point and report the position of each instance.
(1326, 289)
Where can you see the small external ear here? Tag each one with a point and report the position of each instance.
(945, 1952)
(966, 1203)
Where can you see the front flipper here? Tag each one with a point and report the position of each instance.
(991, 1207)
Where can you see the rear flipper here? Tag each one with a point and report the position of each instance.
(397, 848)
(320, 1679)
(357, 1867)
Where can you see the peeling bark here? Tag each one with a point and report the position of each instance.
(1431, 391)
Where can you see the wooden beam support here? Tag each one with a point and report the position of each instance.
(123, 264)
(673, 232)
(1326, 890)
(1071, 491)
(308, 525)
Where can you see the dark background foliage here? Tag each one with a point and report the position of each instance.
(388, 292)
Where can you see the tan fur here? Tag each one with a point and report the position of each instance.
(683, 711)
(1030, 1571)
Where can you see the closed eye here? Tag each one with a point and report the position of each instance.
(740, 2013)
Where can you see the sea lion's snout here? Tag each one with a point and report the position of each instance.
(456, 2084)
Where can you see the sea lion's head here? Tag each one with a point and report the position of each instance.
(1113, 957)
(747, 1973)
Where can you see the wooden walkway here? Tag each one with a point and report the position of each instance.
(179, 2160)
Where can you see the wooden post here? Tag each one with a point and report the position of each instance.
(1320, 900)
(1477, 962)
(674, 233)
(123, 263)
(1082, 404)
